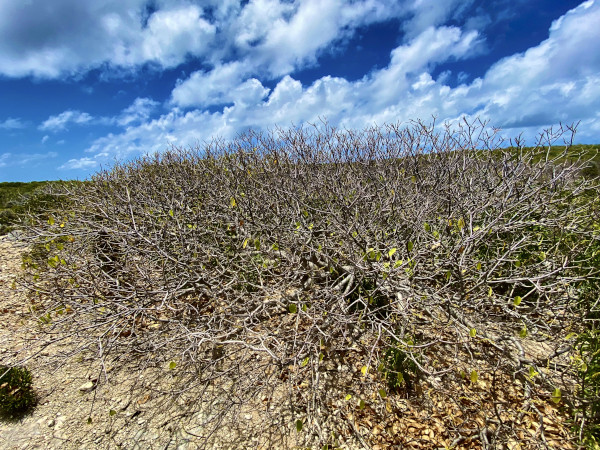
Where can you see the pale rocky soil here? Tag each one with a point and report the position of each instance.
(142, 417)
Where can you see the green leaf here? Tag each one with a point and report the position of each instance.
(391, 252)
(292, 308)
(321, 356)
(382, 393)
(523, 332)
(427, 227)
(89, 420)
(410, 246)
(299, 425)
(361, 404)
(171, 213)
(478, 266)
(304, 362)
(532, 372)
(448, 275)
(556, 396)
(51, 220)
(172, 365)
(473, 332)
(112, 412)
(461, 223)
(517, 300)
(474, 376)
(348, 397)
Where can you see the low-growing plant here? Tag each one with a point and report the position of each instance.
(399, 366)
(16, 390)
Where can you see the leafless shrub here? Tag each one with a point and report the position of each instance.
(273, 261)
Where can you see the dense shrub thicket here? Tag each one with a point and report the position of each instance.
(274, 258)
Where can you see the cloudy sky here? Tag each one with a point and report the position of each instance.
(84, 83)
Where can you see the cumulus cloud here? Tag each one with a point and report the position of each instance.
(35, 41)
(60, 122)
(275, 36)
(138, 111)
(12, 124)
(222, 85)
(555, 80)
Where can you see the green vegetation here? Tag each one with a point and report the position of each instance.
(16, 391)
(316, 248)
(20, 201)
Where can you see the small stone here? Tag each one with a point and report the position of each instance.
(248, 416)
(86, 387)
(50, 423)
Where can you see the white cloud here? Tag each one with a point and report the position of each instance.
(60, 122)
(45, 139)
(554, 81)
(12, 124)
(34, 39)
(138, 111)
(80, 163)
(25, 159)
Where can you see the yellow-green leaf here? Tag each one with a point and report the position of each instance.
(391, 252)
(478, 266)
(461, 223)
(427, 227)
(473, 332)
(474, 376)
(348, 397)
(364, 370)
(304, 362)
(171, 213)
(410, 246)
(299, 425)
(293, 308)
(232, 202)
(517, 301)
(523, 332)
(382, 393)
(51, 220)
(556, 395)
(245, 244)
(361, 404)
(112, 412)
(172, 365)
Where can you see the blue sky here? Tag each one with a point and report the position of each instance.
(84, 83)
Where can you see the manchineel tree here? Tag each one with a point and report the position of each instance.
(316, 266)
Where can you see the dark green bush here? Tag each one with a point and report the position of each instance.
(16, 390)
